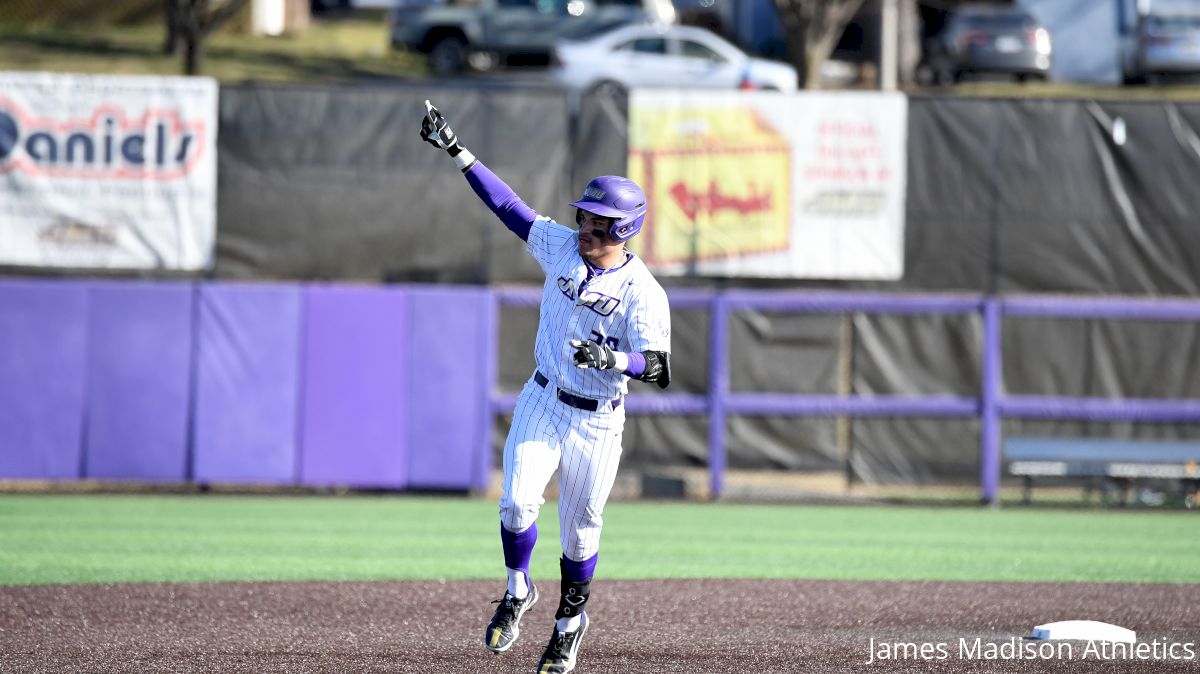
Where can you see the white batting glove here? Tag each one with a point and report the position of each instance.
(590, 354)
(436, 131)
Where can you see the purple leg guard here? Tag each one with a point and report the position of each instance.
(518, 547)
(579, 572)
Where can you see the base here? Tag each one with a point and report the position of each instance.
(1083, 630)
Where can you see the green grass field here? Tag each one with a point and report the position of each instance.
(187, 538)
(344, 50)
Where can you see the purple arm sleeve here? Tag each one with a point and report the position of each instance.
(514, 213)
(637, 364)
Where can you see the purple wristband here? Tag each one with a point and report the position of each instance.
(637, 364)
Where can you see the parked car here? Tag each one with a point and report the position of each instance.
(664, 56)
(318, 6)
(481, 34)
(1168, 43)
(988, 38)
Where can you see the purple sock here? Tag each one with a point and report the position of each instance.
(518, 547)
(579, 572)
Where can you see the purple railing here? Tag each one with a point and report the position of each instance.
(989, 407)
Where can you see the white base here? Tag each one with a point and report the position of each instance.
(1084, 630)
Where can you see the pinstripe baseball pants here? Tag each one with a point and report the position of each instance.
(584, 446)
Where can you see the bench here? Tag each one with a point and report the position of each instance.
(1120, 461)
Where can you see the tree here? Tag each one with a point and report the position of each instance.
(813, 28)
(190, 22)
(171, 14)
(910, 41)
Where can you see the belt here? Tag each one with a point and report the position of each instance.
(585, 404)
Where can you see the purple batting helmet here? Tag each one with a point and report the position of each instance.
(618, 198)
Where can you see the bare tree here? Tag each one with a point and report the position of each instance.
(813, 28)
(909, 41)
(191, 22)
(174, 38)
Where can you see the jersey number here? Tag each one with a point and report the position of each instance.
(611, 342)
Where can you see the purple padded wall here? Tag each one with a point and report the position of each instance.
(139, 380)
(447, 399)
(42, 365)
(247, 383)
(354, 391)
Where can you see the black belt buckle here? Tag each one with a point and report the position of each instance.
(585, 404)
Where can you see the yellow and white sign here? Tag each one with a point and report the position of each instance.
(809, 185)
(717, 185)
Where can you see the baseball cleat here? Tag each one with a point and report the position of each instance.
(562, 649)
(503, 630)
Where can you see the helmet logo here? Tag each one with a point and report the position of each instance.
(590, 192)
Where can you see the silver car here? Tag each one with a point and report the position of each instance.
(988, 38)
(664, 56)
(1169, 44)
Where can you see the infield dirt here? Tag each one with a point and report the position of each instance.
(639, 626)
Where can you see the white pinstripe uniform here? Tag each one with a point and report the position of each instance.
(624, 307)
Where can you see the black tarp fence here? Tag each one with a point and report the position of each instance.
(335, 182)
(1004, 196)
(1053, 196)
(1020, 195)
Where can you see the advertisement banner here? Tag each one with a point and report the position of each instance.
(759, 184)
(107, 171)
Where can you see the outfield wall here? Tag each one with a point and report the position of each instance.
(398, 387)
(242, 383)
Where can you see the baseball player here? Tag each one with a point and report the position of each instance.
(604, 320)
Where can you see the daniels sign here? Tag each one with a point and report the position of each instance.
(112, 172)
(158, 147)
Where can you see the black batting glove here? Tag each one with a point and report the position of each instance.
(436, 131)
(593, 355)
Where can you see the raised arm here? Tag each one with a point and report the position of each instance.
(516, 215)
